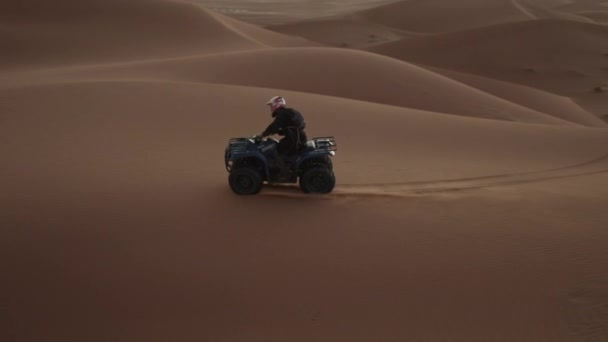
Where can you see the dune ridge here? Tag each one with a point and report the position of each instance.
(541, 101)
(437, 16)
(405, 19)
(328, 71)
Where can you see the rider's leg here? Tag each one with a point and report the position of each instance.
(280, 153)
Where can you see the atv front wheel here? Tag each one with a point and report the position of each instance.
(319, 179)
(245, 181)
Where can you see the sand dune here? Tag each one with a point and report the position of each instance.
(405, 19)
(541, 101)
(563, 57)
(444, 15)
(327, 71)
(266, 38)
(441, 16)
(278, 12)
(42, 34)
(542, 10)
(177, 120)
(466, 208)
(600, 17)
(349, 32)
(132, 223)
(574, 6)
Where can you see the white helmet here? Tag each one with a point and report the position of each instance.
(276, 102)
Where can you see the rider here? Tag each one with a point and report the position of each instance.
(287, 122)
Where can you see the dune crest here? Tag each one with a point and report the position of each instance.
(325, 71)
(600, 17)
(435, 16)
(41, 34)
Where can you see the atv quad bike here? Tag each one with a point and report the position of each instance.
(249, 164)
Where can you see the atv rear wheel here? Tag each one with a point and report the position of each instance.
(245, 181)
(318, 179)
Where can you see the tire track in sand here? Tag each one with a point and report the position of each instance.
(408, 189)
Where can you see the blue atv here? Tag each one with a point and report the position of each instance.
(249, 164)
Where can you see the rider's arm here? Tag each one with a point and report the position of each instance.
(274, 127)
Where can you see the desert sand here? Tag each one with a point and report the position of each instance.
(564, 57)
(472, 171)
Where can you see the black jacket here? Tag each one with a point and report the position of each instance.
(286, 122)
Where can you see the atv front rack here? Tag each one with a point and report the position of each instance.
(238, 144)
(235, 145)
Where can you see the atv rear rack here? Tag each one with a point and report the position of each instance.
(323, 143)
